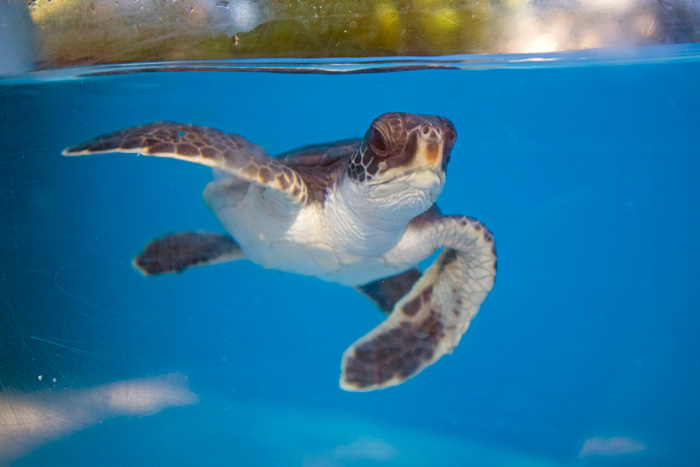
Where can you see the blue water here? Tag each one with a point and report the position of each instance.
(587, 175)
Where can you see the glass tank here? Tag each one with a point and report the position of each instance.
(338, 189)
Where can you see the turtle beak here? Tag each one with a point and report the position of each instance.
(429, 154)
(428, 172)
(430, 147)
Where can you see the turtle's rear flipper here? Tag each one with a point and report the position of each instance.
(386, 292)
(182, 250)
(431, 318)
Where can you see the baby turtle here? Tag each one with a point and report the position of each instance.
(357, 212)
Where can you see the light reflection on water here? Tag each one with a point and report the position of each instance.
(31, 420)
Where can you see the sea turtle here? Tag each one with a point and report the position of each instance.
(358, 212)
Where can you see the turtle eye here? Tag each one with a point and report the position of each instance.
(376, 141)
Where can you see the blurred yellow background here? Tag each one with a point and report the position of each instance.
(106, 31)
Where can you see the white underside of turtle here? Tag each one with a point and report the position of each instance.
(314, 240)
(357, 212)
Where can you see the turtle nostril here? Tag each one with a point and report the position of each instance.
(425, 129)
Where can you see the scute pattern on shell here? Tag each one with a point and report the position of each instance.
(321, 166)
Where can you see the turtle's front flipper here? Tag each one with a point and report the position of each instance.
(182, 250)
(202, 145)
(428, 321)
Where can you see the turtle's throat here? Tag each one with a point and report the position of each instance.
(366, 226)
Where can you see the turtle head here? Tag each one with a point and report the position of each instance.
(399, 167)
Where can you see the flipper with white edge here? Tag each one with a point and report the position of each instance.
(202, 145)
(428, 321)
